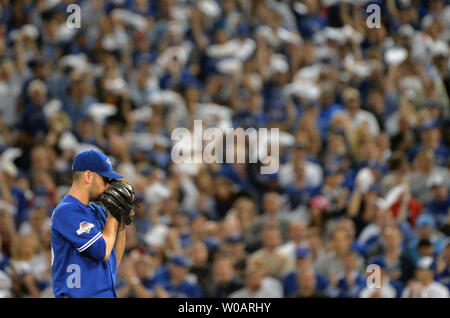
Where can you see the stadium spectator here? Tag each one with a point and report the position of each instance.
(398, 261)
(385, 288)
(276, 263)
(303, 260)
(308, 285)
(442, 266)
(423, 285)
(256, 284)
(225, 281)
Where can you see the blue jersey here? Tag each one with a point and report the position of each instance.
(78, 250)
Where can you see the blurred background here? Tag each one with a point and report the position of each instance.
(361, 99)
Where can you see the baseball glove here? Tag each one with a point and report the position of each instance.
(118, 199)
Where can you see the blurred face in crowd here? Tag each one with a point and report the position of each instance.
(426, 250)
(140, 209)
(180, 220)
(24, 248)
(340, 120)
(326, 98)
(298, 154)
(221, 36)
(37, 92)
(440, 193)
(350, 262)
(42, 71)
(236, 249)
(204, 181)
(425, 232)
(198, 224)
(347, 225)
(245, 209)
(403, 123)
(42, 158)
(223, 271)
(314, 239)
(425, 160)
(271, 203)
(80, 84)
(431, 137)
(199, 253)
(255, 102)
(303, 262)
(271, 239)
(131, 237)
(6, 70)
(37, 218)
(223, 188)
(336, 144)
(297, 231)
(392, 237)
(351, 101)
(143, 74)
(334, 180)
(371, 211)
(446, 252)
(376, 100)
(141, 5)
(307, 279)
(424, 275)
(170, 205)
(341, 241)
(178, 273)
(254, 278)
(141, 268)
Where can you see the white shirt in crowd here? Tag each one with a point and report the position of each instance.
(270, 288)
(432, 290)
(386, 291)
(313, 173)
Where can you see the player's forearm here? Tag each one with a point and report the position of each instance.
(120, 243)
(109, 235)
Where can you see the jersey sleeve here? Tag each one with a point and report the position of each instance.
(82, 233)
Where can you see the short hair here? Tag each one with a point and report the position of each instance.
(424, 243)
(77, 175)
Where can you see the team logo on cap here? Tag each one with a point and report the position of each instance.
(108, 162)
(85, 227)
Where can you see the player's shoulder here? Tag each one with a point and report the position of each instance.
(96, 206)
(66, 207)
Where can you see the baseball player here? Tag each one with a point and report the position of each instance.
(88, 239)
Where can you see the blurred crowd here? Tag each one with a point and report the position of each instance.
(364, 119)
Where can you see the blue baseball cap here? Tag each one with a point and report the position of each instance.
(302, 252)
(234, 238)
(426, 262)
(380, 261)
(95, 161)
(429, 124)
(181, 260)
(425, 220)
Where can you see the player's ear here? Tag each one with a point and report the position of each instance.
(88, 176)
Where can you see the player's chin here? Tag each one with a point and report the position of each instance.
(96, 196)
